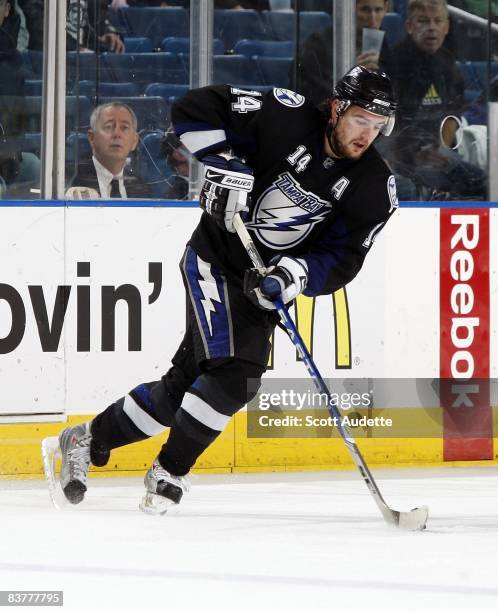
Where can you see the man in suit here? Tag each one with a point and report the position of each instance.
(113, 136)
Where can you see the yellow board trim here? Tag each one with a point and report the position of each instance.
(233, 451)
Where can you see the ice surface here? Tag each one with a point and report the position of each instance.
(266, 542)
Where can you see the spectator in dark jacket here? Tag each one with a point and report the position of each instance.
(89, 29)
(12, 117)
(314, 72)
(33, 12)
(427, 82)
(429, 87)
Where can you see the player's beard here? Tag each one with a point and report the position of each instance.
(338, 147)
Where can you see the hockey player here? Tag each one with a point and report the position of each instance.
(319, 195)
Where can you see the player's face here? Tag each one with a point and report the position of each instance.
(114, 137)
(354, 132)
(428, 27)
(370, 13)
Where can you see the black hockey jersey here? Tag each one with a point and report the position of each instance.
(324, 210)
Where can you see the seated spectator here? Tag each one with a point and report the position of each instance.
(33, 12)
(124, 3)
(113, 136)
(177, 158)
(426, 170)
(89, 29)
(19, 172)
(425, 76)
(315, 66)
(259, 5)
(429, 87)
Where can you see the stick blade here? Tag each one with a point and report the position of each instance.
(415, 520)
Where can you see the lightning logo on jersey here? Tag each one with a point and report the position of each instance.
(285, 213)
(287, 97)
(209, 290)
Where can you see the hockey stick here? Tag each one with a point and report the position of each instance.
(413, 520)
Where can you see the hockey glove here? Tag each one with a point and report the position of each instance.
(227, 181)
(285, 278)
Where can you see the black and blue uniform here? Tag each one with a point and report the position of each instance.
(304, 204)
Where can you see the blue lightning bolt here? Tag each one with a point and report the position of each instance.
(209, 289)
(293, 223)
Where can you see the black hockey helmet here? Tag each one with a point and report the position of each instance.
(368, 89)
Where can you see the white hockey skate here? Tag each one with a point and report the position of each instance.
(51, 453)
(73, 447)
(163, 490)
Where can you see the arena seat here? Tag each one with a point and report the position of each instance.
(325, 6)
(33, 87)
(401, 7)
(274, 70)
(32, 63)
(392, 24)
(234, 70)
(84, 67)
(265, 48)
(78, 110)
(480, 69)
(145, 68)
(166, 90)
(151, 165)
(284, 25)
(89, 89)
(31, 142)
(231, 26)
(77, 147)
(178, 44)
(472, 79)
(137, 44)
(152, 22)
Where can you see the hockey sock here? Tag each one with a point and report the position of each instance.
(206, 409)
(182, 449)
(146, 411)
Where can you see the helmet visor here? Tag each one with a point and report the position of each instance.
(377, 117)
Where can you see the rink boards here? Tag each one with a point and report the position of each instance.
(92, 303)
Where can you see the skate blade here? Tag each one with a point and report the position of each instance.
(51, 452)
(155, 504)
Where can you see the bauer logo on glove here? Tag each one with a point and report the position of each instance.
(231, 181)
(227, 182)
